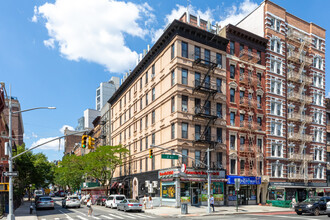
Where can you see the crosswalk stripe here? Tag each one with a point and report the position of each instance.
(134, 216)
(128, 216)
(116, 216)
(103, 216)
(81, 213)
(81, 217)
(56, 219)
(67, 216)
(143, 215)
(95, 217)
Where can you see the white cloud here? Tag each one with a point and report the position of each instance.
(54, 145)
(34, 18)
(328, 96)
(176, 13)
(235, 14)
(62, 129)
(50, 43)
(94, 30)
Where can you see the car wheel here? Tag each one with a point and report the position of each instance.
(328, 215)
(299, 213)
(78, 207)
(111, 206)
(316, 212)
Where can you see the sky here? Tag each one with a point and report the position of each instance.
(56, 53)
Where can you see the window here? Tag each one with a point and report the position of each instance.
(153, 163)
(259, 121)
(173, 104)
(153, 138)
(277, 170)
(141, 124)
(242, 164)
(232, 166)
(259, 55)
(146, 121)
(241, 47)
(219, 110)
(141, 83)
(153, 116)
(197, 79)
(184, 103)
(140, 144)
(219, 159)
(241, 119)
(232, 95)
(276, 108)
(219, 83)
(275, 66)
(197, 157)
(232, 48)
(153, 72)
(172, 51)
(259, 101)
(185, 156)
(147, 142)
(317, 63)
(259, 144)
(184, 129)
(207, 82)
(197, 132)
(172, 131)
(232, 142)
(232, 71)
(184, 49)
(153, 94)
(184, 79)
(207, 108)
(219, 135)
(277, 150)
(146, 164)
(197, 53)
(275, 45)
(172, 78)
(219, 60)
(207, 56)
(146, 78)
(232, 118)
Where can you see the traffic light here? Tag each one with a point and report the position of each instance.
(83, 141)
(150, 153)
(91, 142)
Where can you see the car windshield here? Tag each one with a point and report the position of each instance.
(312, 200)
(133, 201)
(120, 197)
(45, 199)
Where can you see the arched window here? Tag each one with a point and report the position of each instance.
(317, 62)
(275, 45)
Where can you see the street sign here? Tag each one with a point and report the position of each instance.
(169, 156)
(237, 184)
(10, 173)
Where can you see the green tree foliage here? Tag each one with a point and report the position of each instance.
(99, 165)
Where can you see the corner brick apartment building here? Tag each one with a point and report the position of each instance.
(254, 93)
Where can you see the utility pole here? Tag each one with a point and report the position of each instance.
(11, 215)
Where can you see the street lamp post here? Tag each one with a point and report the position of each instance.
(11, 215)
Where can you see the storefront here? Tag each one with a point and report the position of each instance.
(247, 195)
(286, 191)
(190, 186)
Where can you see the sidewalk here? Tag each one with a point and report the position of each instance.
(222, 210)
(23, 212)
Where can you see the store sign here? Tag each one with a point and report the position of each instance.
(310, 184)
(245, 180)
(183, 172)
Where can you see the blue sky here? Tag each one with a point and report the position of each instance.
(56, 53)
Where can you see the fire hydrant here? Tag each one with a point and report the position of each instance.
(31, 209)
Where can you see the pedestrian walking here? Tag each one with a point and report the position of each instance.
(145, 200)
(89, 205)
(293, 203)
(212, 202)
(150, 202)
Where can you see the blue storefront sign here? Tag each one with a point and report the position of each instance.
(245, 180)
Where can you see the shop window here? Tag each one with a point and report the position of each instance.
(168, 191)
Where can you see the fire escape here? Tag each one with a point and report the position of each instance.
(204, 113)
(298, 61)
(249, 150)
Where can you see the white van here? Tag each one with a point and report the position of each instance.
(38, 193)
(113, 200)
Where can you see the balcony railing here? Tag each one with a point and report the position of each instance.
(298, 58)
(299, 157)
(298, 37)
(306, 118)
(207, 86)
(250, 56)
(243, 78)
(244, 101)
(204, 112)
(293, 116)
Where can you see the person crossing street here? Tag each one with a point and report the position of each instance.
(212, 202)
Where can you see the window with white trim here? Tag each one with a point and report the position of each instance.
(318, 135)
(318, 99)
(318, 63)
(276, 87)
(318, 154)
(277, 150)
(317, 81)
(275, 66)
(277, 170)
(276, 128)
(275, 24)
(291, 170)
(317, 43)
(318, 172)
(275, 108)
(318, 117)
(275, 45)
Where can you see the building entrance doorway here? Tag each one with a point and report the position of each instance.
(194, 196)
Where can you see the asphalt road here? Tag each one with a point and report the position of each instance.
(100, 212)
(265, 216)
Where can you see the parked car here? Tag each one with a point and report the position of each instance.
(38, 193)
(45, 202)
(314, 205)
(101, 200)
(113, 200)
(71, 201)
(129, 205)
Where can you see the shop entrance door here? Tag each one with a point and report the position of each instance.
(194, 196)
(243, 192)
(301, 195)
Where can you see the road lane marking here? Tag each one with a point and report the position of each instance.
(116, 216)
(56, 219)
(132, 215)
(128, 216)
(95, 217)
(144, 215)
(297, 217)
(104, 216)
(67, 216)
(81, 217)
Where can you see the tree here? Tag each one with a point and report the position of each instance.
(101, 163)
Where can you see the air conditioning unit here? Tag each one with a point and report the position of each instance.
(154, 184)
(147, 182)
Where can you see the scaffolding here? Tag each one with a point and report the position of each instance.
(298, 61)
(205, 113)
